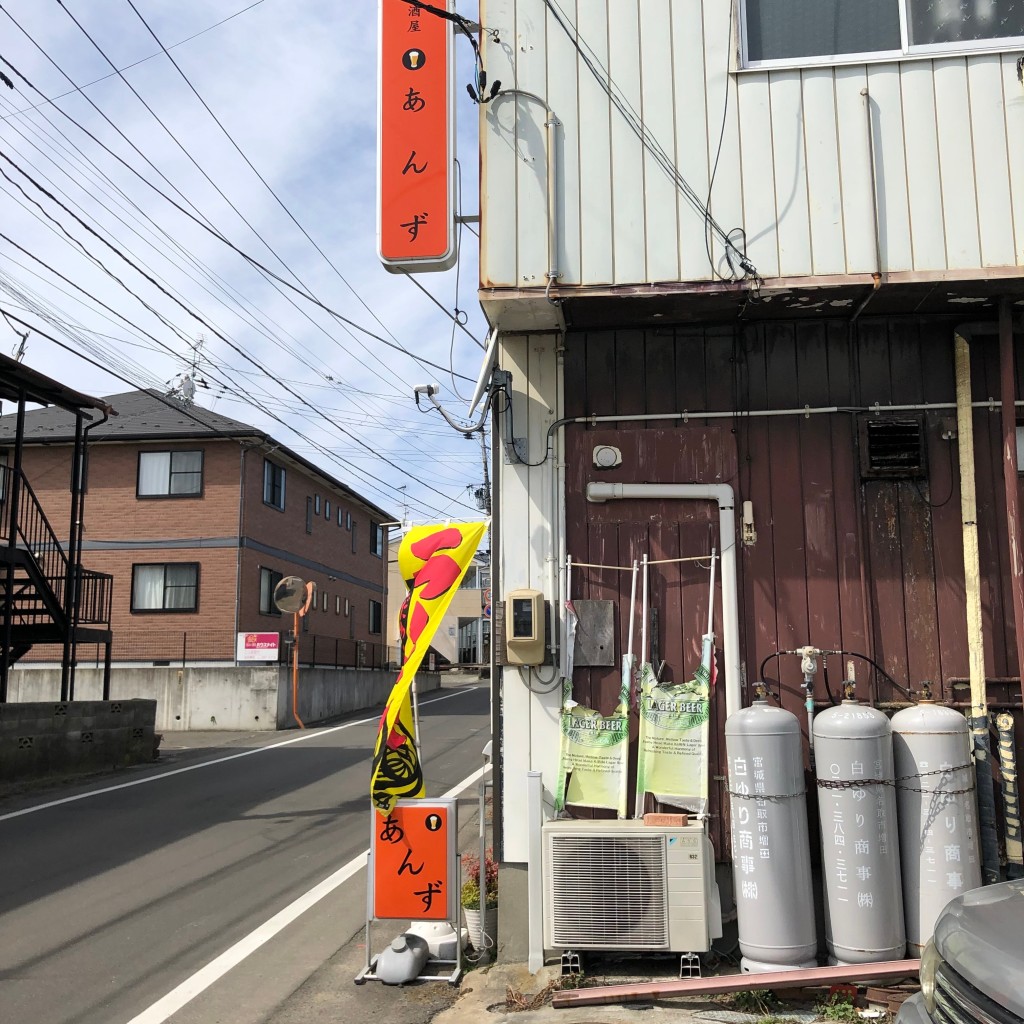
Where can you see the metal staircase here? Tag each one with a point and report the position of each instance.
(45, 598)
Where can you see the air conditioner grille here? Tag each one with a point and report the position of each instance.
(608, 892)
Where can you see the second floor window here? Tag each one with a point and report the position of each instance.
(376, 617)
(165, 587)
(268, 580)
(273, 484)
(170, 474)
(816, 31)
(376, 539)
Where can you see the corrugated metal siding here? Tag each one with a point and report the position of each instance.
(788, 151)
(873, 566)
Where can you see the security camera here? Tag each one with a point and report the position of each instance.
(426, 389)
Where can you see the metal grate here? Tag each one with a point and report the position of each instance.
(892, 449)
(608, 892)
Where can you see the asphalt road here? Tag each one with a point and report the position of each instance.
(112, 902)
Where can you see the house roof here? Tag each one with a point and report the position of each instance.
(151, 416)
(16, 378)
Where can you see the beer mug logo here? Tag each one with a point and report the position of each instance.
(413, 60)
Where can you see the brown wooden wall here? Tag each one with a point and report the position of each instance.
(871, 566)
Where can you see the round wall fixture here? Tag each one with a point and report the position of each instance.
(607, 457)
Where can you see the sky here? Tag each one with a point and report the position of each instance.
(93, 255)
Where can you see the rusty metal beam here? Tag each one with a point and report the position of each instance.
(733, 983)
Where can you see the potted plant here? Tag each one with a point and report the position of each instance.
(483, 929)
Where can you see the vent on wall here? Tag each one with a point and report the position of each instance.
(892, 448)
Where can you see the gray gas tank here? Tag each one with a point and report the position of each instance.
(938, 814)
(770, 844)
(860, 843)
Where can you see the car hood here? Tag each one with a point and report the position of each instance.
(981, 936)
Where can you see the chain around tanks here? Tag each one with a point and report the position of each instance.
(859, 783)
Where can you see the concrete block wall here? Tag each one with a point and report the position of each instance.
(328, 692)
(228, 697)
(63, 738)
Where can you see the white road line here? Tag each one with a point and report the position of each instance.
(308, 735)
(199, 982)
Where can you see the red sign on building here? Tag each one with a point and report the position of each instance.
(415, 139)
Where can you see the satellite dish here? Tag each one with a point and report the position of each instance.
(485, 371)
(290, 594)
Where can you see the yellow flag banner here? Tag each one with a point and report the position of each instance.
(433, 561)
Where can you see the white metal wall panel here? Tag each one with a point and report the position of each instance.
(793, 167)
(894, 230)
(530, 741)
(959, 193)
(824, 187)
(988, 134)
(758, 181)
(855, 168)
(726, 198)
(595, 182)
(563, 95)
(691, 132)
(1013, 105)
(498, 165)
(924, 179)
(531, 144)
(794, 229)
(660, 192)
(629, 246)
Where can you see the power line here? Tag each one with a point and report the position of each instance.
(308, 296)
(258, 323)
(196, 316)
(135, 64)
(195, 163)
(266, 184)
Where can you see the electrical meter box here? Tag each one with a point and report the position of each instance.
(524, 627)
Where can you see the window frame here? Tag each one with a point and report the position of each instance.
(170, 452)
(376, 609)
(309, 513)
(165, 610)
(273, 609)
(907, 50)
(376, 539)
(272, 468)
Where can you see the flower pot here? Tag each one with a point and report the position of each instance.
(487, 938)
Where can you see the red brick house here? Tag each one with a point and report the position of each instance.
(197, 516)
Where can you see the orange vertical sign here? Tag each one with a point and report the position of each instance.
(415, 139)
(414, 861)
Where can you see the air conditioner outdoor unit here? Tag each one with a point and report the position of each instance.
(622, 885)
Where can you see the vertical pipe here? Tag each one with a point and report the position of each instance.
(13, 498)
(1011, 479)
(106, 671)
(975, 630)
(295, 668)
(1011, 796)
(535, 868)
(72, 576)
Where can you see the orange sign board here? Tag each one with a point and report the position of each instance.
(414, 862)
(415, 139)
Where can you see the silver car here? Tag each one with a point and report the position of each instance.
(973, 969)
